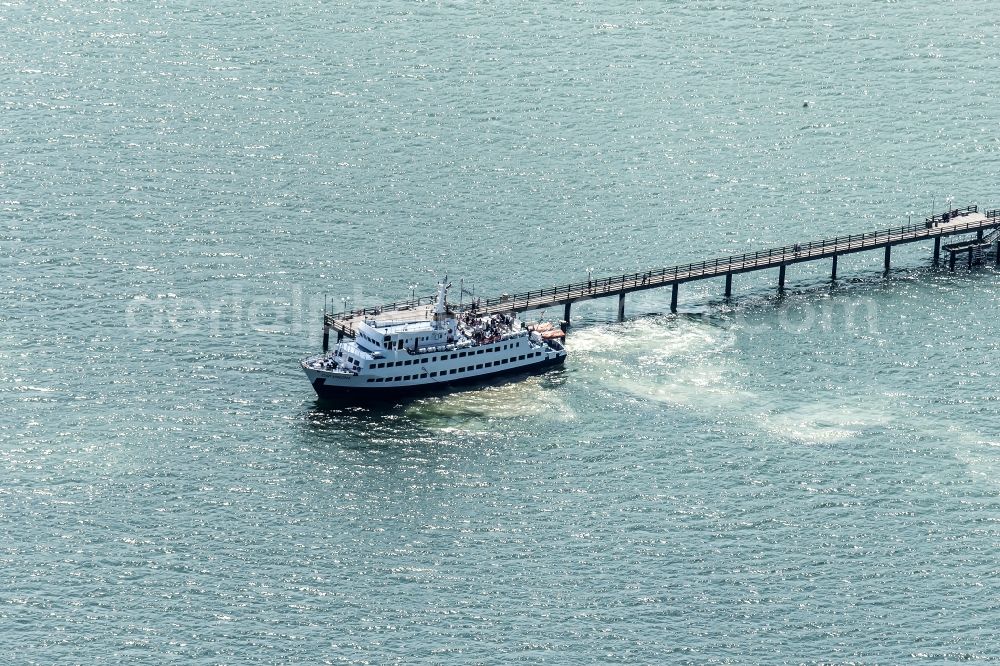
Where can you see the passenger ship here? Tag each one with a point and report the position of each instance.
(390, 357)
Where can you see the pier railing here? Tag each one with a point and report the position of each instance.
(786, 254)
(408, 304)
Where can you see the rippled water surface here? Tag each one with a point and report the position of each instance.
(813, 478)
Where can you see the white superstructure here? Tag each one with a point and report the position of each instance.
(391, 357)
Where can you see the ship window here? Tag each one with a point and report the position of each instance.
(423, 360)
(408, 362)
(454, 355)
(480, 351)
(434, 374)
(370, 380)
(462, 354)
(521, 357)
(479, 366)
(434, 358)
(490, 364)
(452, 371)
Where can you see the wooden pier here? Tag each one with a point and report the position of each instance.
(985, 226)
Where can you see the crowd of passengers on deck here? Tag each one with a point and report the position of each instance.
(484, 330)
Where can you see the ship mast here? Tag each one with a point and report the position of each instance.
(441, 306)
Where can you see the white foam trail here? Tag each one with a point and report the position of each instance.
(671, 361)
(980, 456)
(656, 335)
(530, 397)
(820, 423)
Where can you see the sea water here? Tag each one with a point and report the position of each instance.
(184, 186)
